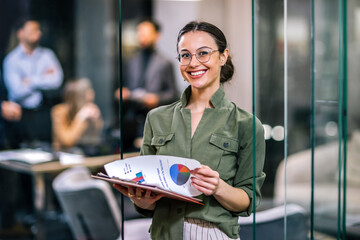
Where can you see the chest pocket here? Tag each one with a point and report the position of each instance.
(161, 142)
(227, 152)
(224, 143)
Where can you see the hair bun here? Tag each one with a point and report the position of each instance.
(227, 71)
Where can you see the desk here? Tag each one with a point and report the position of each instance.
(37, 172)
(56, 166)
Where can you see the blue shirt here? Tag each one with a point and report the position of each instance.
(25, 75)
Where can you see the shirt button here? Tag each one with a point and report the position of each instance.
(160, 141)
(179, 210)
(226, 145)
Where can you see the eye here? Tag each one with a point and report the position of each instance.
(203, 53)
(185, 55)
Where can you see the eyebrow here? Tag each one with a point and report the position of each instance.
(182, 50)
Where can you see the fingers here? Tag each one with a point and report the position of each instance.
(150, 195)
(138, 193)
(158, 196)
(205, 191)
(205, 171)
(205, 180)
(120, 188)
(208, 188)
(131, 192)
(206, 174)
(143, 199)
(127, 191)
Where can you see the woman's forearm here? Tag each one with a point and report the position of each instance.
(231, 198)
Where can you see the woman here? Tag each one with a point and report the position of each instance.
(205, 126)
(77, 123)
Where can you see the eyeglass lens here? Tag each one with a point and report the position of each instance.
(202, 55)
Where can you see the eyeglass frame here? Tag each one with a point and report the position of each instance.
(192, 54)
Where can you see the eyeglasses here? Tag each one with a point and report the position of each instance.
(202, 55)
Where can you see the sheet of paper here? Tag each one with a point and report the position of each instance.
(167, 172)
(70, 158)
(30, 156)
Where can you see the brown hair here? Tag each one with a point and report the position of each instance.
(75, 95)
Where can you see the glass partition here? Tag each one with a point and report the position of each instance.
(296, 67)
(351, 72)
(322, 114)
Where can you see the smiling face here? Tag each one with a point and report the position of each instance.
(204, 75)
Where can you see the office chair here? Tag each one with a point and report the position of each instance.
(270, 224)
(92, 210)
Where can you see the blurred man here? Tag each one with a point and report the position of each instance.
(149, 80)
(29, 70)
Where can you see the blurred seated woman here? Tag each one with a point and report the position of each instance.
(77, 123)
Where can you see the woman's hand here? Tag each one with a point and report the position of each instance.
(205, 180)
(143, 199)
(209, 182)
(89, 111)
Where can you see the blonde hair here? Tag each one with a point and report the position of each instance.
(75, 95)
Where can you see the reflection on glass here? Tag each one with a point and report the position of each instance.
(87, 46)
(331, 209)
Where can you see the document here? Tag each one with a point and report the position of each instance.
(29, 156)
(159, 173)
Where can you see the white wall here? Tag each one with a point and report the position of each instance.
(173, 15)
(233, 17)
(237, 28)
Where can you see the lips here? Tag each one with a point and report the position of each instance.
(197, 74)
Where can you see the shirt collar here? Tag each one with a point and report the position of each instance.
(215, 100)
(23, 52)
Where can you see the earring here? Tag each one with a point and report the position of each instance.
(222, 62)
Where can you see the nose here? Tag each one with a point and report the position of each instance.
(194, 63)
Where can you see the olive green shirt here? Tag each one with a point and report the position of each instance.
(223, 141)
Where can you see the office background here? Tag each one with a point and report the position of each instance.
(84, 35)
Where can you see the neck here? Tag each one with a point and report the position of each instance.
(28, 49)
(200, 99)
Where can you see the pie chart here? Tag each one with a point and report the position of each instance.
(179, 174)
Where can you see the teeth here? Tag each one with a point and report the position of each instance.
(197, 73)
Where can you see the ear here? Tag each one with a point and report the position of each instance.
(224, 56)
